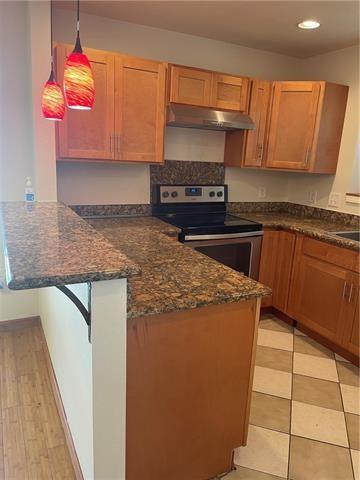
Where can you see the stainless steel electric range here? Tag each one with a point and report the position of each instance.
(199, 211)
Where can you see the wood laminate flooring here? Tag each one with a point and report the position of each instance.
(32, 440)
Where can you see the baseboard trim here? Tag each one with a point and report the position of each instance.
(60, 408)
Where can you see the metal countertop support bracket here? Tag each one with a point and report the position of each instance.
(85, 312)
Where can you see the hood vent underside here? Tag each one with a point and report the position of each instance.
(207, 118)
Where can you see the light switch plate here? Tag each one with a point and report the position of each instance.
(334, 199)
(262, 191)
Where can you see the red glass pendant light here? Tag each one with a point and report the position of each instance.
(78, 79)
(52, 103)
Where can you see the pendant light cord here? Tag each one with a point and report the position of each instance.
(51, 36)
(77, 43)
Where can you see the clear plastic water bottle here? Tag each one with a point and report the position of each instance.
(29, 191)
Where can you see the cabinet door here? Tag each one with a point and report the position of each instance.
(351, 335)
(292, 125)
(190, 86)
(318, 293)
(259, 104)
(89, 134)
(229, 92)
(276, 265)
(140, 109)
(285, 246)
(268, 262)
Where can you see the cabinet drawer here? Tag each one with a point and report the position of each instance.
(339, 256)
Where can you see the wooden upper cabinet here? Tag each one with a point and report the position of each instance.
(140, 109)
(203, 88)
(255, 139)
(305, 126)
(190, 86)
(229, 92)
(292, 124)
(89, 134)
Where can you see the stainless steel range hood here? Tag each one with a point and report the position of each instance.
(207, 118)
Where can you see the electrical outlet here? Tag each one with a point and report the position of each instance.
(262, 191)
(312, 197)
(334, 199)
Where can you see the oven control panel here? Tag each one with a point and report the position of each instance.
(192, 193)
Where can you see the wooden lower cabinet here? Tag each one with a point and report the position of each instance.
(276, 265)
(351, 333)
(324, 295)
(189, 380)
(315, 284)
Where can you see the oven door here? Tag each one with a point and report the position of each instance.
(240, 252)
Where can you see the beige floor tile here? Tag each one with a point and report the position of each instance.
(266, 451)
(355, 457)
(311, 460)
(270, 412)
(274, 358)
(273, 323)
(353, 428)
(317, 423)
(242, 473)
(348, 374)
(339, 358)
(298, 332)
(351, 398)
(280, 340)
(272, 382)
(316, 367)
(317, 392)
(311, 347)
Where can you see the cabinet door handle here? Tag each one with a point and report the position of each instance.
(307, 156)
(344, 291)
(350, 293)
(118, 143)
(110, 143)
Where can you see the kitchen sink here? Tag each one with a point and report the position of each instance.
(354, 235)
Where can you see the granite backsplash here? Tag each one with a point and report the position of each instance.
(175, 172)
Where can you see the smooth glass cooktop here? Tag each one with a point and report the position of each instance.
(206, 220)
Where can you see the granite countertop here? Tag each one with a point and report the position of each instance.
(311, 227)
(173, 276)
(47, 244)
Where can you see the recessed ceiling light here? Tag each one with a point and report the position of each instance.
(309, 24)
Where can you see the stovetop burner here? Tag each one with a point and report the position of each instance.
(199, 210)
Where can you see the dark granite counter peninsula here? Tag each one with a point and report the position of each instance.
(47, 244)
(174, 277)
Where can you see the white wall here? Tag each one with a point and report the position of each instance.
(16, 144)
(91, 376)
(87, 183)
(16, 132)
(66, 336)
(341, 66)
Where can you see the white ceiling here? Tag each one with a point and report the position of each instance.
(266, 25)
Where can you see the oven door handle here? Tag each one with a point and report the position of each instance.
(220, 236)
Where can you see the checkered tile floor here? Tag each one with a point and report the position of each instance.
(304, 421)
